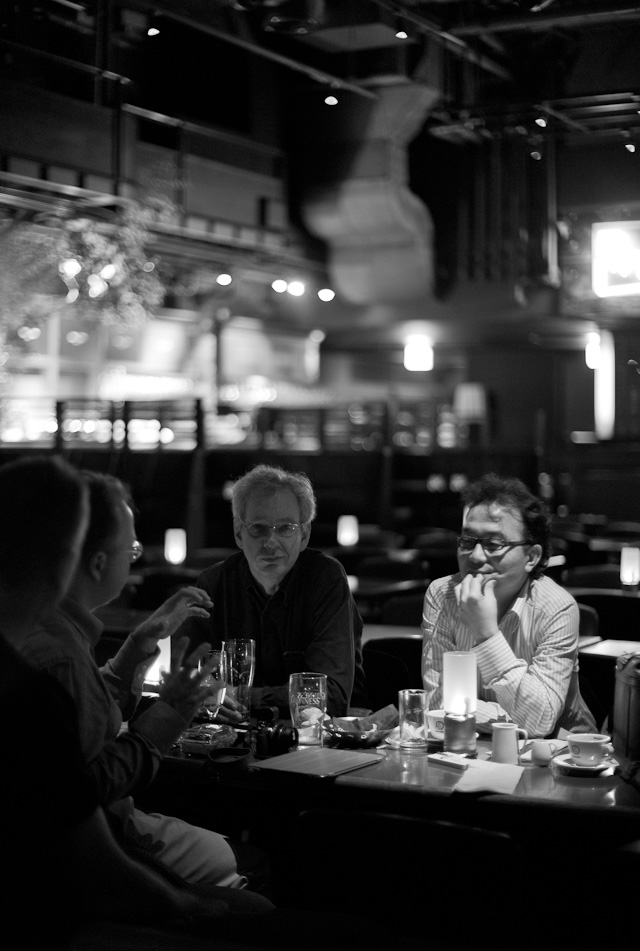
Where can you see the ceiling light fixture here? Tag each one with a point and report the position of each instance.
(331, 100)
(295, 288)
(279, 286)
(326, 294)
(542, 122)
(224, 279)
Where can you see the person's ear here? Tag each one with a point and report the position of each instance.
(533, 557)
(237, 532)
(97, 564)
(305, 534)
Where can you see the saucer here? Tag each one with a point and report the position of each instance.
(564, 760)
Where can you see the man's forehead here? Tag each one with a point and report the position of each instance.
(492, 512)
(272, 498)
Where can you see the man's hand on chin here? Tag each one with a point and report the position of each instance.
(478, 606)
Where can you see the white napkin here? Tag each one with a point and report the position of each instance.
(483, 776)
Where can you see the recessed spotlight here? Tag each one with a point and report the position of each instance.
(542, 122)
(402, 35)
(630, 147)
(224, 279)
(279, 286)
(295, 288)
(331, 100)
(326, 294)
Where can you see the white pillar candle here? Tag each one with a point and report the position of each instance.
(459, 682)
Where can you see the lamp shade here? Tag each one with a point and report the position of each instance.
(459, 682)
(470, 402)
(630, 566)
(175, 545)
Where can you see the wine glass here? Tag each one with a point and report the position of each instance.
(241, 661)
(216, 680)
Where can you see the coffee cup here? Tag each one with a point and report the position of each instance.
(505, 743)
(589, 749)
(435, 719)
(543, 751)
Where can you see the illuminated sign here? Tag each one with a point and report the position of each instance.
(615, 247)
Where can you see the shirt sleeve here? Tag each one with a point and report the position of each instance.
(124, 675)
(533, 694)
(438, 637)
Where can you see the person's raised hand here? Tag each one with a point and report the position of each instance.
(165, 621)
(230, 711)
(478, 605)
(184, 688)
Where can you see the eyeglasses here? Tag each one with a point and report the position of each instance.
(262, 530)
(490, 546)
(135, 552)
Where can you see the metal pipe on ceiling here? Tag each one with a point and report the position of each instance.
(536, 23)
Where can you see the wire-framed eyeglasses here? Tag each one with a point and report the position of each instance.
(489, 545)
(135, 552)
(263, 530)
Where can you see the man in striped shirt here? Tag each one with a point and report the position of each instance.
(522, 626)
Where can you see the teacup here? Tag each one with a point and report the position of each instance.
(543, 751)
(435, 719)
(589, 749)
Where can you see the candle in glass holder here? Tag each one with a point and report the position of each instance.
(459, 693)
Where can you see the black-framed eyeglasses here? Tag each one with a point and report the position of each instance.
(263, 530)
(135, 552)
(489, 545)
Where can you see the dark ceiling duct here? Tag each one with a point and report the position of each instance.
(378, 233)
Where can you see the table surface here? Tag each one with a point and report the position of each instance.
(413, 772)
(611, 648)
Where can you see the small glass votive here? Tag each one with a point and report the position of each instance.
(460, 732)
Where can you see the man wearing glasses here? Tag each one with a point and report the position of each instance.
(124, 761)
(522, 626)
(292, 600)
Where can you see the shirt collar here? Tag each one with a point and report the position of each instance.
(517, 607)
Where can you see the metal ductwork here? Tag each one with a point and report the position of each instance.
(379, 234)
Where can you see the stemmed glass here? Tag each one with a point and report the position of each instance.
(241, 660)
(217, 681)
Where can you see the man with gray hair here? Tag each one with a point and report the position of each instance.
(294, 601)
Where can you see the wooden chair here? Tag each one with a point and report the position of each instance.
(385, 675)
(618, 611)
(405, 648)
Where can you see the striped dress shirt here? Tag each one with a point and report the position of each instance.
(528, 671)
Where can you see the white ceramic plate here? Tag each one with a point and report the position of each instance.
(565, 761)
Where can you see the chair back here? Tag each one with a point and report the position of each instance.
(385, 674)
(406, 649)
(592, 576)
(618, 611)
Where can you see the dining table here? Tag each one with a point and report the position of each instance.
(553, 810)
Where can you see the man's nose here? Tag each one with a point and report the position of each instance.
(271, 538)
(478, 553)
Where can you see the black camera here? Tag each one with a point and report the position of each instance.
(272, 738)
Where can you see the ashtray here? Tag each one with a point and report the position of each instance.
(200, 740)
